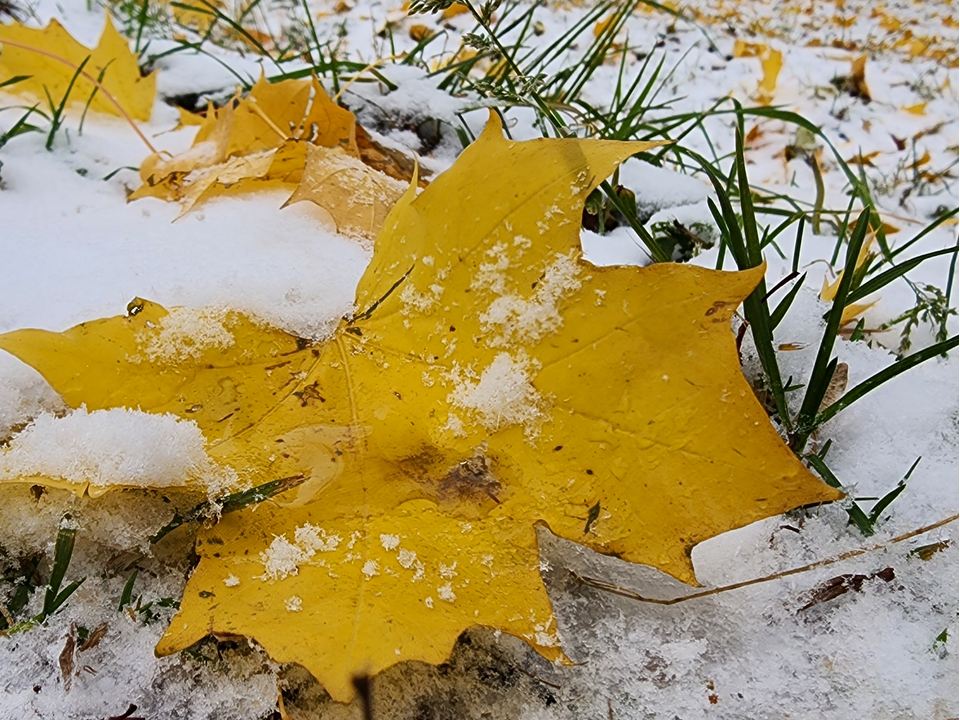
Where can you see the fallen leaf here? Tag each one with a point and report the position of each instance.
(918, 109)
(40, 55)
(453, 11)
(357, 197)
(855, 84)
(771, 62)
(260, 138)
(419, 33)
(490, 381)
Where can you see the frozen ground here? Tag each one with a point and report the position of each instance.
(74, 250)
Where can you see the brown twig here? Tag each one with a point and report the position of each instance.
(85, 74)
(624, 592)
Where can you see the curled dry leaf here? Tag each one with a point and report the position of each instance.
(357, 197)
(46, 71)
(249, 142)
(491, 381)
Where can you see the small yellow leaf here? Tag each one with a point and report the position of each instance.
(772, 61)
(453, 11)
(854, 311)
(918, 109)
(47, 72)
(419, 33)
(601, 27)
(356, 196)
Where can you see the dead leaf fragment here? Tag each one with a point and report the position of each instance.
(46, 73)
(454, 412)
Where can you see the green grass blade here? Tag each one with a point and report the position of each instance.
(877, 283)
(819, 379)
(857, 516)
(783, 306)
(878, 379)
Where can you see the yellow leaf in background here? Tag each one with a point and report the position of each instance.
(919, 109)
(195, 14)
(745, 49)
(262, 137)
(419, 33)
(356, 196)
(771, 61)
(490, 381)
(602, 25)
(829, 290)
(855, 310)
(112, 56)
(453, 11)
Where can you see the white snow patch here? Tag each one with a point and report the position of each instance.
(110, 447)
(512, 319)
(389, 542)
(185, 333)
(294, 604)
(370, 568)
(231, 581)
(502, 396)
(445, 592)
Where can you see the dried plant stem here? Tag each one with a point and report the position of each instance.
(258, 111)
(623, 592)
(88, 76)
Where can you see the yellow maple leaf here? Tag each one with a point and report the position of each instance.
(50, 58)
(491, 381)
(260, 138)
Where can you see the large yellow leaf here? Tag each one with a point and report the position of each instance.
(491, 380)
(47, 71)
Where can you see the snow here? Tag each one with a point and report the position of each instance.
(74, 250)
(108, 447)
(502, 395)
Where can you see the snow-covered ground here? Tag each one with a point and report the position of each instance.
(74, 250)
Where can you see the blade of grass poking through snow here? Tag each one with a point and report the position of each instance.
(877, 283)
(878, 379)
(820, 376)
(56, 119)
(86, 107)
(885, 501)
(14, 80)
(126, 596)
(62, 552)
(923, 233)
(20, 127)
(228, 504)
(780, 311)
(857, 516)
(54, 597)
(746, 251)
